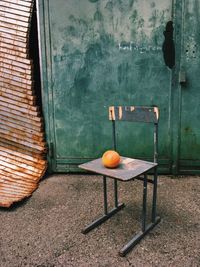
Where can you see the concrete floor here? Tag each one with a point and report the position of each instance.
(45, 230)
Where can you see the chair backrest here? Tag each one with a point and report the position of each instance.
(136, 114)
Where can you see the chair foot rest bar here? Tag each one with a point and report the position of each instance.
(102, 219)
(138, 237)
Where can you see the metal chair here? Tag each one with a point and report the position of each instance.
(129, 169)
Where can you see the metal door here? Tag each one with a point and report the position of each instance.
(189, 153)
(95, 54)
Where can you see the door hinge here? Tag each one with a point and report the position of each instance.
(51, 150)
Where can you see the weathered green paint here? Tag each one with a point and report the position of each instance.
(109, 52)
(190, 92)
(175, 106)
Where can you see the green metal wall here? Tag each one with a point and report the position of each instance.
(96, 53)
(190, 93)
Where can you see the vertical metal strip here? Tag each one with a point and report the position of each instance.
(114, 135)
(155, 142)
(144, 204)
(153, 216)
(155, 172)
(116, 193)
(45, 54)
(175, 107)
(105, 195)
(115, 181)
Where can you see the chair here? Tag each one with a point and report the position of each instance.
(129, 169)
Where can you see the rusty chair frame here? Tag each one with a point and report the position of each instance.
(137, 169)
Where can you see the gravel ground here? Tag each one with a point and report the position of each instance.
(45, 230)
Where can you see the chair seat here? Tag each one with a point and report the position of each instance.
(128, 168)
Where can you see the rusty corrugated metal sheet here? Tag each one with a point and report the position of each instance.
(22, 144)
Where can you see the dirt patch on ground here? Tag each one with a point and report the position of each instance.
(45, 230)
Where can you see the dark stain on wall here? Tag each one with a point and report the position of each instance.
(168, 47)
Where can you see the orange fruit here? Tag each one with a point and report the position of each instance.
(111, 159)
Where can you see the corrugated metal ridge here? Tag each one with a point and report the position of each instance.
(22, 146)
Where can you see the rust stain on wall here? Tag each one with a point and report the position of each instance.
(22, 146)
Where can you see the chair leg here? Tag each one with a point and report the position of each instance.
(116, 193)
(145, 228)
(154, 200)
(136, 239)
(144, 205)
(107, 214)
(105, 195)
